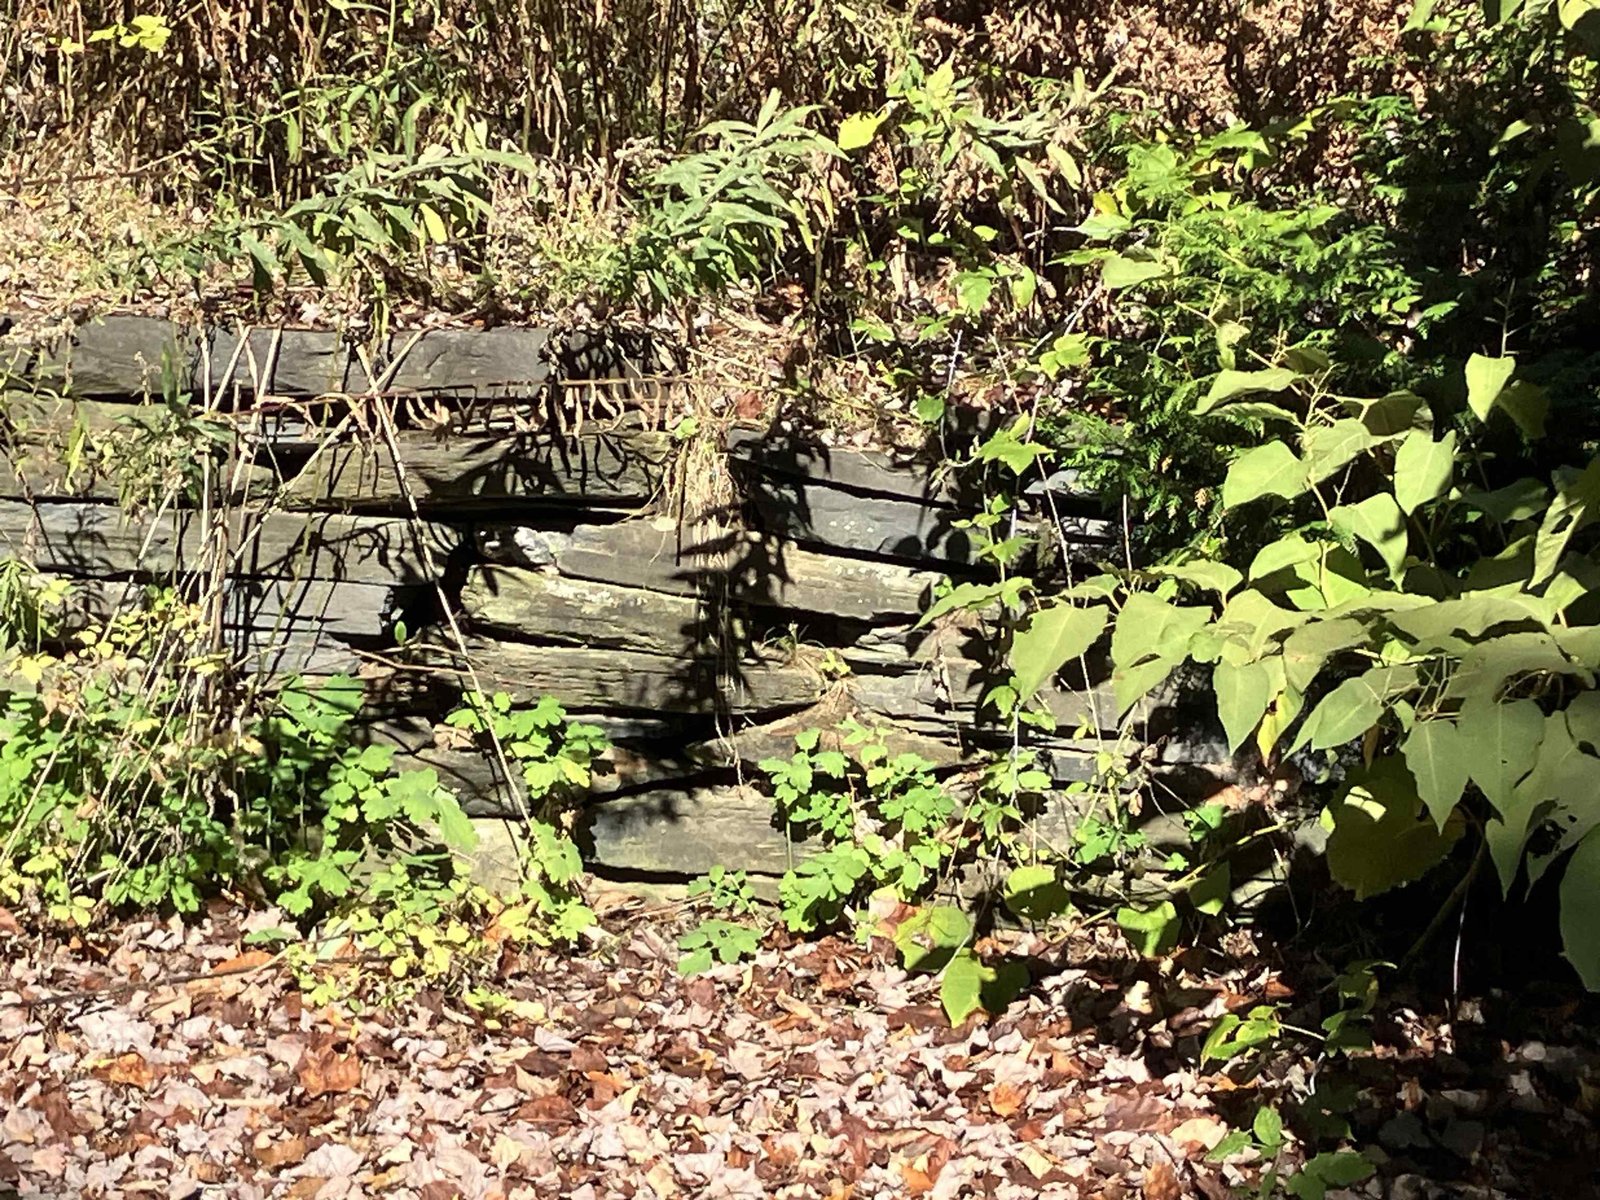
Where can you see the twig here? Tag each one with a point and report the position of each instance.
(1458, 896)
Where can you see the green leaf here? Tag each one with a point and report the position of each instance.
(1345, 713)
(1423, 468)
(1255, 621)
(1486, 379)
(1471, 616)
(1393, 414)
(1485, 667)
(961, 988)
(1215, 576)
(1527, 406)
(1436, 757)
(437, 230)
(927, 939)
(1118, 271)
(1269, 470)
(1288, 551)
(1007, 446)
(1149, 627)
(973, 289)
(1574, 14)
(1339, 1169)
(1500, 745)
(1231, 384)
(1421, 15)
(1309, 647)
(1023, 285)
(1052, 637)
(1515, 502)
(1129, 685)
(1033, 893)
(1562, 781)
(1236, 1141)
(1102, 226)
(1268, 1127)
(1243, 693)
(1329, 449)
(1152, 931)
(1211, 891)
(455, 827)
(1580, 913)
(1377, 521)
(964, 595)
(1380, 836)
(858, 130)
(1575, 506)
(695, 961)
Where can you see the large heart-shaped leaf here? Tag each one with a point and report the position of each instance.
(1269, 470)
(1379, 836)
(1053, 636)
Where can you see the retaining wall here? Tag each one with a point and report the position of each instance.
(513, 486)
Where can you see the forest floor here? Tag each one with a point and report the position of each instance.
(167, 1060)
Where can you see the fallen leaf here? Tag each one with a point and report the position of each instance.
(1037, 1163)
(1007, 1100)
(505, 1151)
(306, 1188)
(229, 978)
(1201, 1132)
(548, 1110)
(131, 1069)
(207, 1172)
(324, 1069)
(1161, 1183)
(916, 1177)
(286, 1153)
(171, 1012)
(661, 1180)
(9, 925)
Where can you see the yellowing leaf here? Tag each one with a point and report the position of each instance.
(858, 130)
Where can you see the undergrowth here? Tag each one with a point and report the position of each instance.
(129, 782)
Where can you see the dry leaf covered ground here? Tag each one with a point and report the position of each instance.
(165, 1060)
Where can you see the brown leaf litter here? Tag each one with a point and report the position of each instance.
(818, 1070)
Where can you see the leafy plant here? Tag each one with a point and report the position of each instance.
(1354, 630)
(727, 214)
(1234, 1036)
(1206, 277)
(724, 890)
(715, 939)
(556, 757)
(886, 816)
(112, 788)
